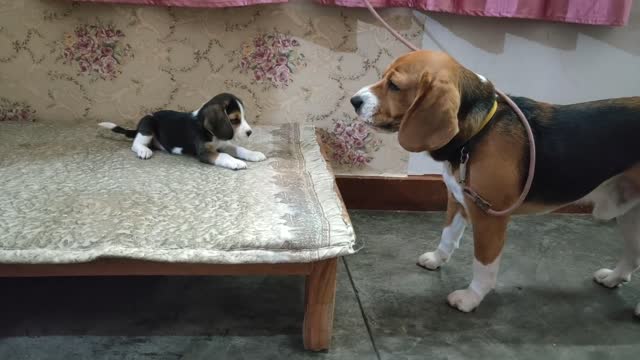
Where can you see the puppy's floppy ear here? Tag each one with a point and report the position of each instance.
(432, 120)
(217, 121)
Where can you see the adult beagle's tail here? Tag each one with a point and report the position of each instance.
(119, 129)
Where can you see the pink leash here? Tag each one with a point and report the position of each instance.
(477, 199)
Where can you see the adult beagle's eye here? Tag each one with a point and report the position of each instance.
(393, 87)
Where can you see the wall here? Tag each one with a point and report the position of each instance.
(64, 62)
(552, 62)
(177, 58)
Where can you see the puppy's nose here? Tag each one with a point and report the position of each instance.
(357, 102)
(249, 132)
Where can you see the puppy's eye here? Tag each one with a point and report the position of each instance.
(393, 87)
(235, 121)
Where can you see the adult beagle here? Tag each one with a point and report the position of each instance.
(587, 152)
(204, 133)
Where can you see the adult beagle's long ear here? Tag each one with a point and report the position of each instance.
(217, 121)
(432, 120)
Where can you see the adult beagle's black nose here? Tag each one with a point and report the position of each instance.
(357, 102)
(249, 132)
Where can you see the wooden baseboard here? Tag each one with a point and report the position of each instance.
(134, 267)
(411, 193)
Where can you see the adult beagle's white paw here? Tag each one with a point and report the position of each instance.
(464, 300)
(432, 260)
(609, 278)
(256, 156)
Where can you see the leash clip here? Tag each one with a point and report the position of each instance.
(483, 204)
(464, 158)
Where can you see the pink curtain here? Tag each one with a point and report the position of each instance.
(190, 3)
(594, 12)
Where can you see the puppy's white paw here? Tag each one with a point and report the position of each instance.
(236, 164)
(143, 152)
(609, 278)
(464, 300)
(229, 162)
(256, 156)
(432, 260)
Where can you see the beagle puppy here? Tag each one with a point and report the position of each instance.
(587, 152)
(203, 133)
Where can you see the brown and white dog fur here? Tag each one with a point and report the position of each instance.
(587, 152)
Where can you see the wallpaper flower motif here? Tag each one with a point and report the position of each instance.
(350, 144)
(15, 111)
(271, 58)
(96, 50)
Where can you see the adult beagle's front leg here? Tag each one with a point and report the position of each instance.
(455, 225)
(489, 233)
(241, 153)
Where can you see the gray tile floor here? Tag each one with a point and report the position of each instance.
(546, 305)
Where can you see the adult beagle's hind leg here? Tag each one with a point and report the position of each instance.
(629, 224)
(455, 225)
(489, 234)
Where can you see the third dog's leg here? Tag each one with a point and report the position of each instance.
(629, 223)
(450, 239)
(489, 234)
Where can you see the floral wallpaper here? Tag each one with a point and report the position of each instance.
(96, 50)
(15, 111)
(297, 62)
(271, 58)
(350, 144)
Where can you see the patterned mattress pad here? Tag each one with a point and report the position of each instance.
(75, 193)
